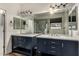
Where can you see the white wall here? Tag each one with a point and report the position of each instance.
(1, 33)
(11, 10)
(35, 7)
(29, 27)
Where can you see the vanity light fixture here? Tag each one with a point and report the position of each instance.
(2, 11)
(51, 11)
(56, 7)
(25, 13)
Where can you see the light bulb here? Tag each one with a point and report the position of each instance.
(51, 11)
(2, 11)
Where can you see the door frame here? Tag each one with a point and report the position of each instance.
(4, 29)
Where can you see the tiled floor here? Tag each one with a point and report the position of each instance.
(14, 54)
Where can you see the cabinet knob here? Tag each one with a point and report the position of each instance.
(38, 51)
(35, 47)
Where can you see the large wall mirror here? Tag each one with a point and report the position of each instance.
(59, 23)
(49, 23)
(18, 23)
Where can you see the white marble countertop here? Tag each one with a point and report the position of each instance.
(61, 37)
(26, 35)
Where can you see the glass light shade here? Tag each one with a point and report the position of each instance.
(52, 11)
(2, 11)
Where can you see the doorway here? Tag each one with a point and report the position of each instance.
(2, 32)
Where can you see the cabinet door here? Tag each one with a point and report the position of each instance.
(27, 42)
(21, 42)
(41, 43)
(70, 48)
(14, 41)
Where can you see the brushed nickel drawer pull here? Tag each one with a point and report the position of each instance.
(53, 47)
(53, 51)
(53, 42)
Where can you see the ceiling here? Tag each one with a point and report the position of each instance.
(35, 7)
(39, 7)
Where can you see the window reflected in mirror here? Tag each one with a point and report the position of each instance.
(18, 23)
(56, 25)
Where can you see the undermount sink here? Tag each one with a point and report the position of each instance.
(53, 36)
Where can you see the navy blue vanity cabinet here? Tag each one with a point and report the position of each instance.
(20, 41)
(15, 42)
(27, 45)
(69, 48)
(27, 42)
(57, 47)
(42, 44)
(54, 47)
(22, 44)
(49, 46)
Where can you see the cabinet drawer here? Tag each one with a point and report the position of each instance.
(54, 50)
(54, 47)
(52, 42)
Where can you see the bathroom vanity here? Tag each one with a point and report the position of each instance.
(57, 46)
(62, 25)
(23, 43)
(45, 45)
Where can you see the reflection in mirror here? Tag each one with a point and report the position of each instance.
(72, 23)
(50, 23)
(56, 25)
(40, 25)
(23, 23)
(60, 23)
(18, 23)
